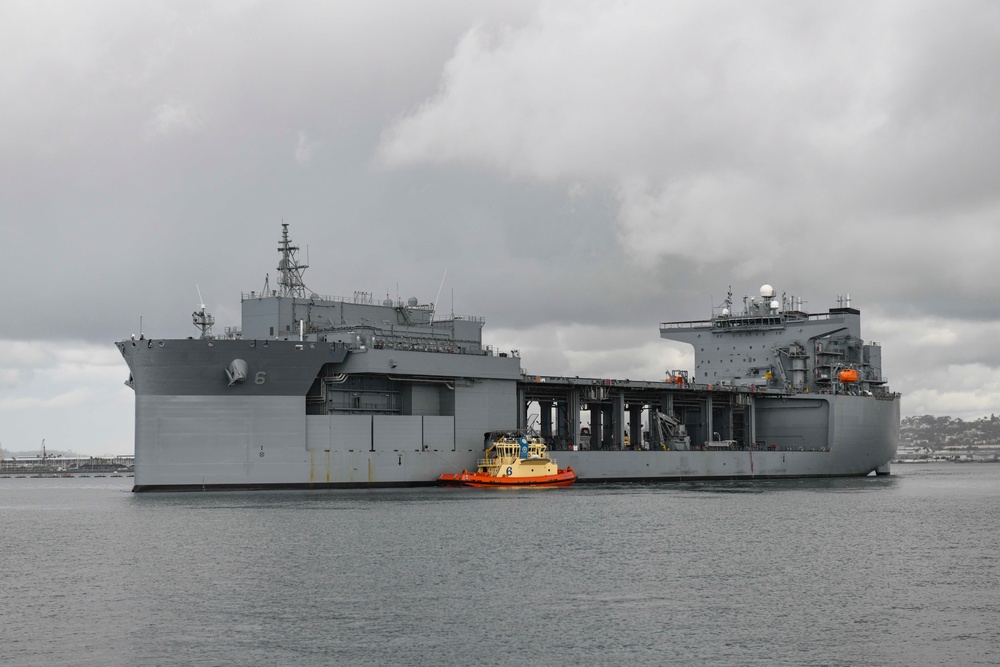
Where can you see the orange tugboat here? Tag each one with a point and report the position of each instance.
(514, 459)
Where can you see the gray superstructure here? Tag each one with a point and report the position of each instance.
(315, 390)
(772, 343)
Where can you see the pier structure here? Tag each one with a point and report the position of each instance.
(629, 414)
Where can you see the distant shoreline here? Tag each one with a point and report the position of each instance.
(924, 461)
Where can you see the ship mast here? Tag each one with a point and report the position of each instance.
(203, 319)
(289, 270)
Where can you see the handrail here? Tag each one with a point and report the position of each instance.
(694, 324)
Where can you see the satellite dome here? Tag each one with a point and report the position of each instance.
(387, 302)
(766, 291)
(412, 301)
(775, 305)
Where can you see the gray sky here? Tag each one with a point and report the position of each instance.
(581, 171)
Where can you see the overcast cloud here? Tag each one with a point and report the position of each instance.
(581, 171)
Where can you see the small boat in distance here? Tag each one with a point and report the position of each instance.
(513, 459)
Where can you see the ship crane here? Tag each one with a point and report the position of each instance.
(43, 456)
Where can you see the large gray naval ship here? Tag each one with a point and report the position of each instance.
(322, 391)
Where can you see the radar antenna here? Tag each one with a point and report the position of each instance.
(727, 306)
(203, 320)
(289, 270)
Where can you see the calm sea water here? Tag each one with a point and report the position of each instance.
(902, 570)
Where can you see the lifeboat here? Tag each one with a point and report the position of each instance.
(848, 376)
(513, 459)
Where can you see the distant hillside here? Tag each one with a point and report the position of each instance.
(940, 432)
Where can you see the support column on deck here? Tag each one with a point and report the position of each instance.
(710, 429)
(608, 422)
(545, 414)
(618, 420)
(649, 410)
(596, 425)
(522, 408)
(573, 416)
(562, 419)
(724, 423)
(635, 425)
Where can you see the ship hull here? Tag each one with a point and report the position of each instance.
(194, 431)
(484, 481)
(393, 394)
